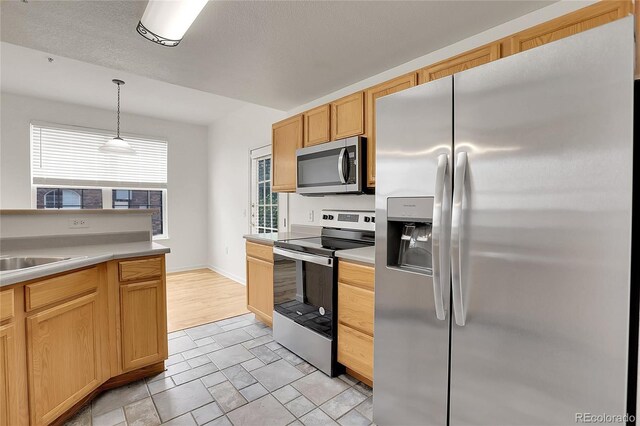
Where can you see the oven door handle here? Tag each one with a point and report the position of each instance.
(318, 260)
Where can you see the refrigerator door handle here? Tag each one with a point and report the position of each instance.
(457, 237)
(440, 263)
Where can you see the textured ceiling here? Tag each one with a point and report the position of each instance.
(275, 53)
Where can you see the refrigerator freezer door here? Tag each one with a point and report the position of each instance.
(546, 214)
(414, 130)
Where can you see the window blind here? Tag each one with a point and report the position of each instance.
(66, 155)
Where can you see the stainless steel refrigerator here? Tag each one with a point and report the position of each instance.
(504, 195)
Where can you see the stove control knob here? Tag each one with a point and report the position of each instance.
(325, 217)
(373, 219)
(330, 217)
(367, 219)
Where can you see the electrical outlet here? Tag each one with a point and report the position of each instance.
(310, 215)
(78, 223)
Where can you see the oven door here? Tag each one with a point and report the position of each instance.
(303, 289)
(330, 168)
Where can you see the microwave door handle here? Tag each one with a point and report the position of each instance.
(341, 168)
(438, 260)
(457, 237)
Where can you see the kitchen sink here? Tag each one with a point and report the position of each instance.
(13, 263)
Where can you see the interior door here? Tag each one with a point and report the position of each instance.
(414, 142)
(544, 232)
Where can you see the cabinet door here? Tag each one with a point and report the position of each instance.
(347, 116)
(286, 138)
(260, 288)
(143, 324)
(384, 89)
(595, 15)
(8, 367)
(65, 356)
(316, 126)
(355, 350)
(473, 58)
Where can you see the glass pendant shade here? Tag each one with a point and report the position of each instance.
(117, 145)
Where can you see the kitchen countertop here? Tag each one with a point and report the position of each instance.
(363, 254)
(276, 236)
(85, 255)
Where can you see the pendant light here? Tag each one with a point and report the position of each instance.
(117, 145)
(166, 21)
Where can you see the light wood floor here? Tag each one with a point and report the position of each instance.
(201, 296)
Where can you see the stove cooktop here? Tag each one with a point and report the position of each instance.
(323, 246)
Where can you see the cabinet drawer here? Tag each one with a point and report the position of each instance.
(6, 305)
(355, 351)
(260, 251)
(356, 274)
(56, 289)
(140, 269)
(355, 307)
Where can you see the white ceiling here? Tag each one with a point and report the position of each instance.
(28, 72)
(274, 53)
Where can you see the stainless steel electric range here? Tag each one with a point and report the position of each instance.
(305, 280)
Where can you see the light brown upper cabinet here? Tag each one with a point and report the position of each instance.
(287, 136)
(473, 58)
(388, 87)
(592, 16)
(637, 14)
(347, 116)
(317, 128)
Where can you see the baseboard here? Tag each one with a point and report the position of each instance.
(229, 275)
(187, 268)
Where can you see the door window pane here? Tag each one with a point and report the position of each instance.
(266, 201)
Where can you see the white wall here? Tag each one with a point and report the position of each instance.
(230, 140)
(187, 166)
(300, 206)
(231, 137)
(56, 223)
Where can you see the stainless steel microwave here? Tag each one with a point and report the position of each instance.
(332, 168)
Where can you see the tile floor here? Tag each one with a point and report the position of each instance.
(232, 372)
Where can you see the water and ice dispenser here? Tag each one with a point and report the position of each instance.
(409, 239)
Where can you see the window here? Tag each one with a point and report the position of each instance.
(68, 198)
(69, 172)
(139, 199)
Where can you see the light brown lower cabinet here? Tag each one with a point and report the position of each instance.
(66, 350)
(8, 370)
(260, 281)
(356, 303)
(68, 336)
(143, 324)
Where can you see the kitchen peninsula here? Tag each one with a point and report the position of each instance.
(82, 308)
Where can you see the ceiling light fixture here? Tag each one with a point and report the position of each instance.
(165, 21)
(117, 145)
